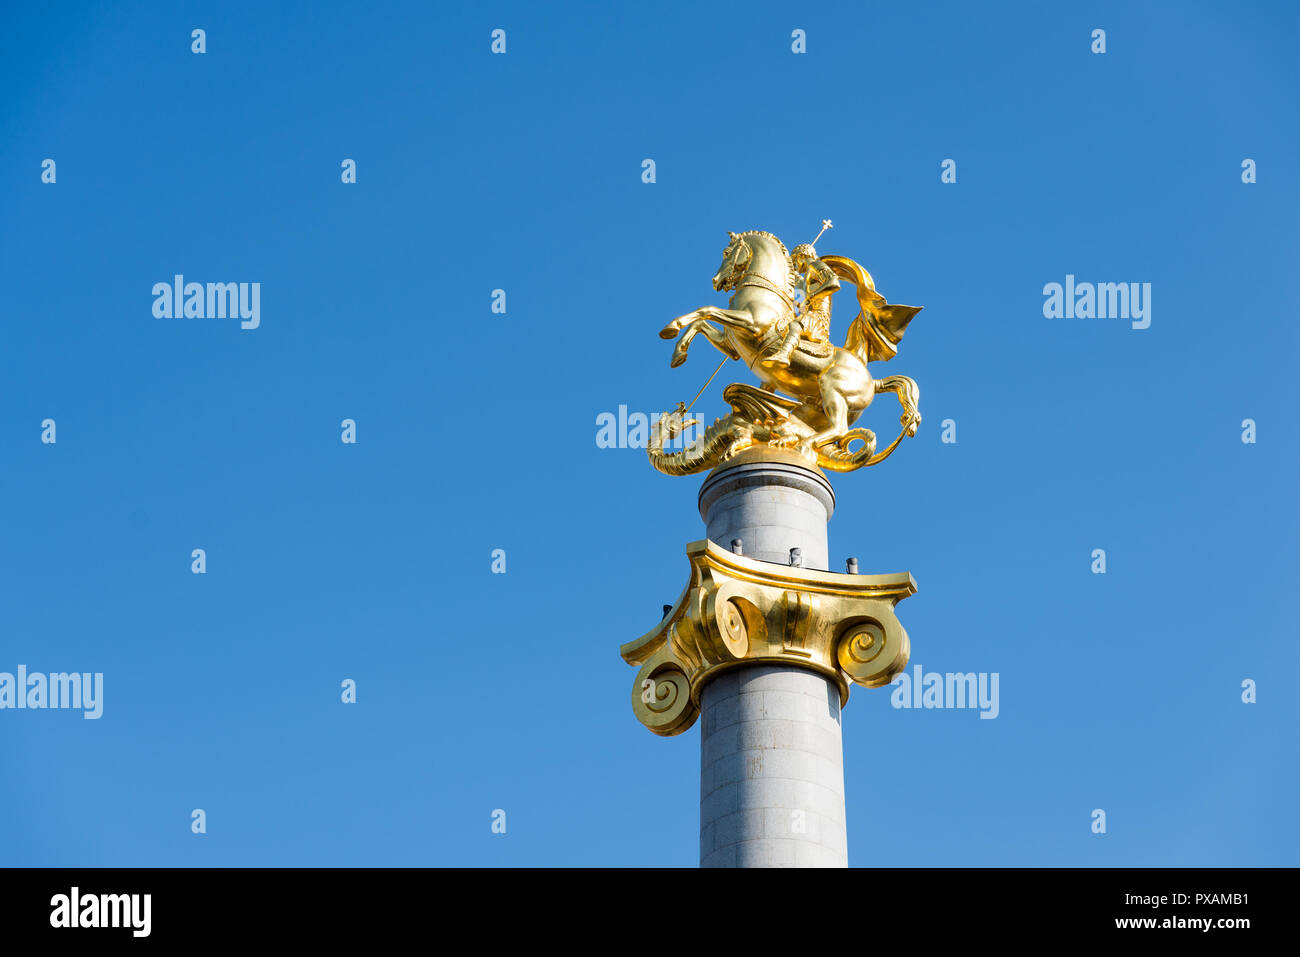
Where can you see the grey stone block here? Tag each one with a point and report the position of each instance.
(767, 852)
(808, 854)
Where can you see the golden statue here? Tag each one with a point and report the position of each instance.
(788, 348)
(814, 321)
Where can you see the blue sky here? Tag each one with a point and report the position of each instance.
(476, 431)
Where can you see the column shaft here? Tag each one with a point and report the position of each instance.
(771, 770)
(771, 755)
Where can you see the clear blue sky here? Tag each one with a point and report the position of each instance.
(477, 431)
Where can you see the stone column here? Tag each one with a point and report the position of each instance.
(771, 754)
(765, 651)
(772, 503)
(771, 770)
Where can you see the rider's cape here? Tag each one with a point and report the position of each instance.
(874, 335)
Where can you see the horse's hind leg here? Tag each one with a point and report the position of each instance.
(836, 408)
(908, 397)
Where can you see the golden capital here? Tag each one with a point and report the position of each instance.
(736, 610)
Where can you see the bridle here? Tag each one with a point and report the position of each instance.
(762, 282)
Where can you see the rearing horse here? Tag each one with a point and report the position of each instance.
(832, 382)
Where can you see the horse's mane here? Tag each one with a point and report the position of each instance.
(791, 278)
(762, 232)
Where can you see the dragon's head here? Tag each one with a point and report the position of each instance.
(673, 424)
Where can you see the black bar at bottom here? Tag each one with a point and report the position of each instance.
(618, 907)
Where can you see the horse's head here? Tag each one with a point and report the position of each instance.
(735, 259)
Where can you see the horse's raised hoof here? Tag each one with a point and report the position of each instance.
(670, 331)
(678, 359)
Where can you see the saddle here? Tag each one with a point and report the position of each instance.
(810, 348)
(816, 350)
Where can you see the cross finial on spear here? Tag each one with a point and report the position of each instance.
(826, 224)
